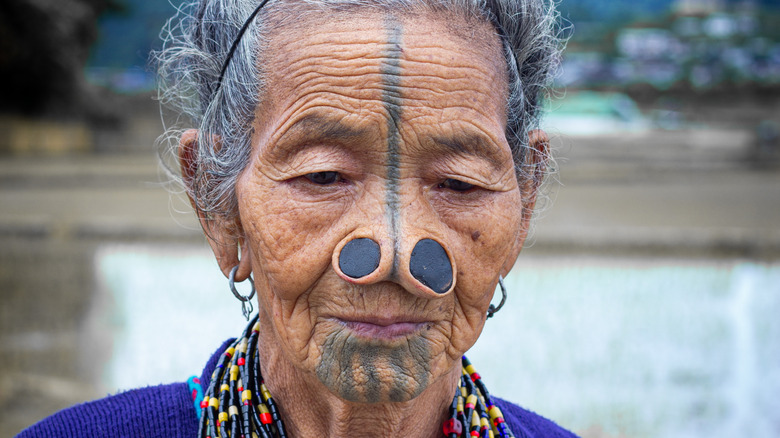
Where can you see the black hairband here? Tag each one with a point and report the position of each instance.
(236, 41)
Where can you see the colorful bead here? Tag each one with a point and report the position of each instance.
(478, 412)
(264, 390)
(265, 415)
(237, 381)
(471, 401)
(452, 426)
(495, 414)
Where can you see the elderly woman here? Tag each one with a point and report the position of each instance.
(371, 166)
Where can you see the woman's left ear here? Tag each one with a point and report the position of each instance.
(223, 235)
(536, 164)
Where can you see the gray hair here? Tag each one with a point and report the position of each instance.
(198, 38)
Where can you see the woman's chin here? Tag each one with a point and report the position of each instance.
(373, 363)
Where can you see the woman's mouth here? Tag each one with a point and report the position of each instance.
(381, 328)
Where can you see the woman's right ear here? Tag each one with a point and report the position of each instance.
(188, 163)
(220, 233)
(188, 153)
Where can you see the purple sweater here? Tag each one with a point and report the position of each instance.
(167, 411)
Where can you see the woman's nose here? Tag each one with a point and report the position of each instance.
(420, 265)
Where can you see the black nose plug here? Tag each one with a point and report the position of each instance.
(430, 265)
(359, 257)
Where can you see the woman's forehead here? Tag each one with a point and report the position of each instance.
(377, 38)
(373, 72)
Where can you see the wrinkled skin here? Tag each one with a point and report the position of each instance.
(398, 112)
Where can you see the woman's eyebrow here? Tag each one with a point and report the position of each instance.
(472, 144)
(317, 128)
(325, 127)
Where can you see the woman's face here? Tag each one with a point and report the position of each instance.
(391, 130)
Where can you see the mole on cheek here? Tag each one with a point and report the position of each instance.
(475, 235)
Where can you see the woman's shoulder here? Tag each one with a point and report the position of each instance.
(525, 423)
(155, 411)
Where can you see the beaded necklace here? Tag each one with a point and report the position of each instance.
(237, 403)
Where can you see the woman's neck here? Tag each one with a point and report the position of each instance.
(309, 409)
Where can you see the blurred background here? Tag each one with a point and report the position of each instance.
(646, 304)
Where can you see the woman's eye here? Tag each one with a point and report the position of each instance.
(456, 185)
(324, 178)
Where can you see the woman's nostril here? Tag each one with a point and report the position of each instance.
(430, 265)
(359, 257)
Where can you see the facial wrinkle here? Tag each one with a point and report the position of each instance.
(368, 358)
(413, 383)
(335, 367)
(392, 101)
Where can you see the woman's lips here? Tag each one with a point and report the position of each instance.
(382, 328)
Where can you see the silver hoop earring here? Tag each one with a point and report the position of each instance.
(493, 309)
(246, 301)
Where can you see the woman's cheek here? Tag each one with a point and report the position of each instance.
(482, 247)
(483, 236)
(289, 237)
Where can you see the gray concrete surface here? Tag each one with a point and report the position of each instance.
(610, 192)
